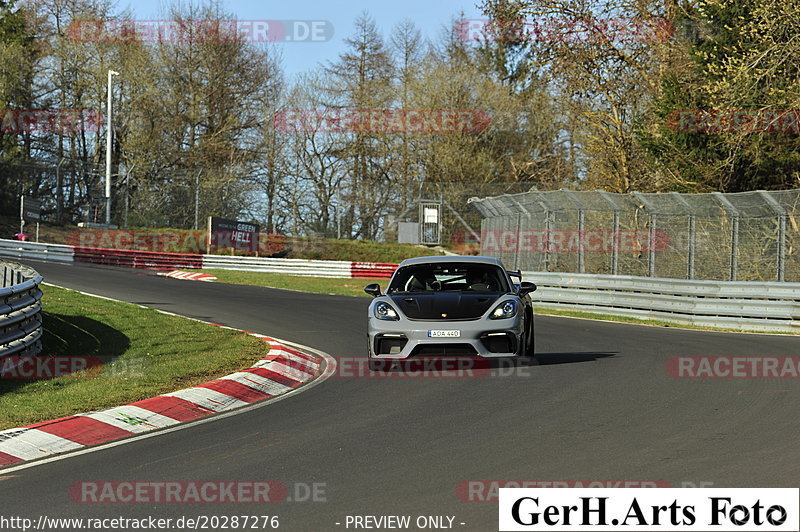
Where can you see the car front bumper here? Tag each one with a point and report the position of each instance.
(482, 337)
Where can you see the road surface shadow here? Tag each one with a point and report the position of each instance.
(65, 338)
(546, 359)
(440, 363)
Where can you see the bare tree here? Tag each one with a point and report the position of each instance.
(360, 80)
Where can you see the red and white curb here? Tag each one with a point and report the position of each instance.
(189, 276)
(282, 370)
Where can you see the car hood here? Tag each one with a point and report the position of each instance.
(444, 305)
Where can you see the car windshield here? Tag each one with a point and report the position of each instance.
(450, 277)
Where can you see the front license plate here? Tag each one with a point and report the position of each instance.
(444, 334)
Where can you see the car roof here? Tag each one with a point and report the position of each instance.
(439, 259)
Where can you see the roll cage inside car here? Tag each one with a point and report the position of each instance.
(438, 277)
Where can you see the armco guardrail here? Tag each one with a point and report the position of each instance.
(35, 250)
(308, 268)
(20, 310)
(756, 306)
(137, 259)
(161, 261)
(372, 269)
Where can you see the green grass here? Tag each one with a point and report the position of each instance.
(144, 353)
(55, 234)
(355, 250)
(315, 285)
(355, 287)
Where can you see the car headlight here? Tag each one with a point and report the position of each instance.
(384, 311)
(506, 309)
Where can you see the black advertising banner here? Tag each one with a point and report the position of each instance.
(241, 236)
(31, 210)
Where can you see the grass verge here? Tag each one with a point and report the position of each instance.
(355, 250)
(144, 353)
(355, 287)
(315, 285)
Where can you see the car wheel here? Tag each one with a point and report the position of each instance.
(533, 338)
(529, 349)
(523, 340)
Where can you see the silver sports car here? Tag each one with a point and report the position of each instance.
(452, 306)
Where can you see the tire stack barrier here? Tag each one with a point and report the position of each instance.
(20, 310)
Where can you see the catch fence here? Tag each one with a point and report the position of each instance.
(748, 236)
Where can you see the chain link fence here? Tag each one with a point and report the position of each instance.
(747, 236)
(460, 222)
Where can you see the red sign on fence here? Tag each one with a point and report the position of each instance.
(231, 234)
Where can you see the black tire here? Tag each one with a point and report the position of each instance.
(530, 351)
(524, 349)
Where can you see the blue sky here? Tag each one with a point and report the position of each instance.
(430, 16)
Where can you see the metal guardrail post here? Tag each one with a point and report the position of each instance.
(519, 240)
(615, 234)
(782, 247)
(734, 214)
(520, 211)
(781, 214)
(691, 234)
(549, 221)
(691, 244)
(581, 229)
(734, 248)
(651, 255)
(581, 233)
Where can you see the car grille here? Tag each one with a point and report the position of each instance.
(444, 350)
(389, 345)
(504, 343)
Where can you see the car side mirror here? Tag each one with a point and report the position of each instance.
(373, 289)
(526, 288)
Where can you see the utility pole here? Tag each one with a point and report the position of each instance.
(196, 200)
(108, 149)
